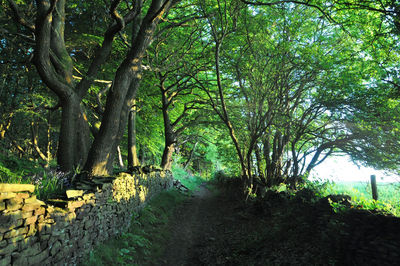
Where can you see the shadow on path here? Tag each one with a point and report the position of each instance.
(195, 223)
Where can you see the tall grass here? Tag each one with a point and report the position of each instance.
(360, 192)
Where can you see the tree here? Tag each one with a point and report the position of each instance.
(292, 82)
(54, 63)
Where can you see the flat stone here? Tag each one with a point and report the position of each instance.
(44, 228)
(44, 238)
(26, 214)
(31, 199)
(70, 217)
(32, 250)
(33, 205)
(75, 204)
(35, 260)
(55, 248)
(30, 220)
(10, 220)
(47, 220)
(16, 240)
(74, 193)
(41, 219)
(20, 260)
(16, 232)
(22, 195)
(88, 224)
(6, 261)
(8, 249)
(17, 188)
(32, 230)
(88, 196)
(7, 195)
(14, 204)
(40, 211)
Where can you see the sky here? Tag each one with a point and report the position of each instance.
(340, 168)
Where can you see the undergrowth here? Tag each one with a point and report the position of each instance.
(48, 181)
(145, 240)
(187, 179)
(360, 196)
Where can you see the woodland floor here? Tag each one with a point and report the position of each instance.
(216, 228)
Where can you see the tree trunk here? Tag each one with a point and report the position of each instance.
(73, 142)
(120, 161)
(190, 155)
(48, 139)
(170, 136)
(35, 142)
(259, 167)
(132, 150)
(133, 159)
(166, 161)
(102, 152)
(142, 155)
(123, 119)
(4, 127)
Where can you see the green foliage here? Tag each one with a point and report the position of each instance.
(144, 242)
(51, 183)
(219, 176)
(337, 207)
(187, 179)
(17, 170)
(48, 182)
(289, 76)
(319, 187)
(361, 195)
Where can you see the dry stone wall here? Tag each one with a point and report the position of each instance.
(62, 231)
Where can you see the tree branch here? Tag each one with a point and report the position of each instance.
(18, 18)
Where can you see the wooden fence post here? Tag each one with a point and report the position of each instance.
(374, 187)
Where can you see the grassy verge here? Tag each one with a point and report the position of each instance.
(145, 240)
(388, 192)
(361, 196)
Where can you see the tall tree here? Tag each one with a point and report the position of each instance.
(55, 66)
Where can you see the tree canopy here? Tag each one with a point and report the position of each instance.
(263, 89)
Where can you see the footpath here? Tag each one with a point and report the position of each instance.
(218, 228)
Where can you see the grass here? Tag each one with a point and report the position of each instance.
(360, 192)
(145, 240)
(387, 192)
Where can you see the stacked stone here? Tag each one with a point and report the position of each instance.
(20, 213)
(63, 231)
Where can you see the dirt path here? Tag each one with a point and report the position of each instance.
(195, 223)
(221, 229)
